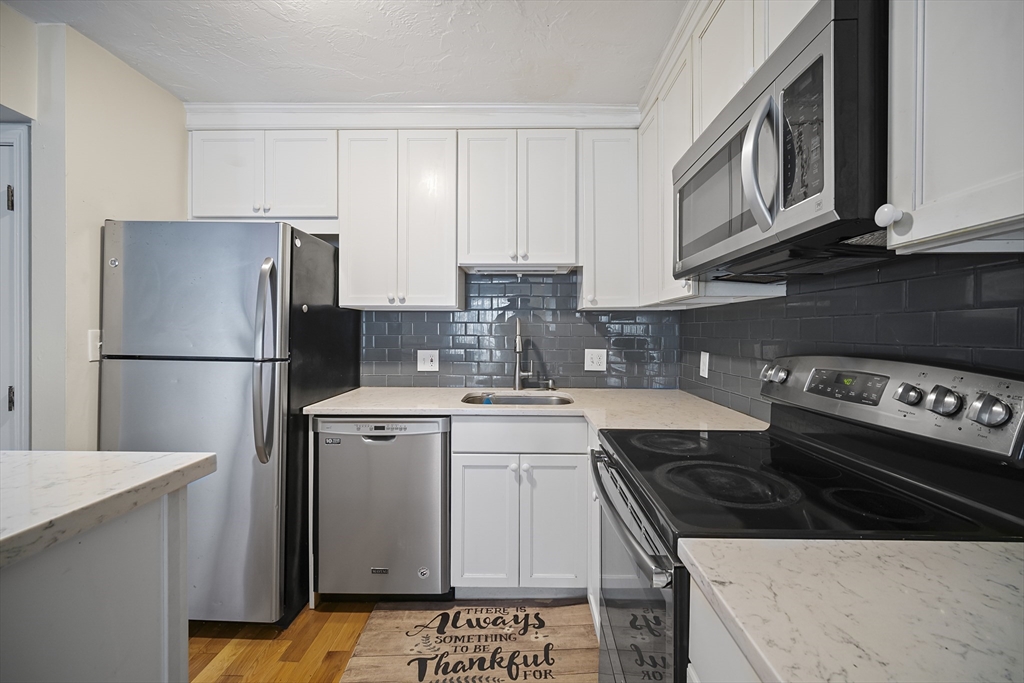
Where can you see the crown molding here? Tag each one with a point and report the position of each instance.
(274, 116)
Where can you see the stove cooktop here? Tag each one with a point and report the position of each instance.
(719, 484)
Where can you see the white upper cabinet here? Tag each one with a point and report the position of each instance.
(517, 195)
(956, 141)
(272, 174)
(609, 215)
(723, 57)
(651, 224)
(368, 220)
(547, 197)
(779, 18)
(397, 222)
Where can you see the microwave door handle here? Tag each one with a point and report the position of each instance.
(651, 568)
(748, 164)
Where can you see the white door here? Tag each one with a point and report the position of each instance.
(723, 57)
(227, 174)
(677, 136)
(553, 521)
(609, 224)
(428, 274)
(487, 197)
(368, 220)
(780, 18)
(301, 174)
(547, 197)
(956, 141)
(485, 520)
(14, 288)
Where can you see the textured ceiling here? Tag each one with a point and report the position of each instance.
(385, 51)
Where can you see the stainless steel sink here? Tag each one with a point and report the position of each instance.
(517, 399)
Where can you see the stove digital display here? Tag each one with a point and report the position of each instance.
(846, 386)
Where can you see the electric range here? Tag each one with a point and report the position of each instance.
(856, 449)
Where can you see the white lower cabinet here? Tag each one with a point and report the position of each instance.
(519, 519)
(593, 543)
(714, 655)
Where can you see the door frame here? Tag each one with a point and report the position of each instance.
(16, 135)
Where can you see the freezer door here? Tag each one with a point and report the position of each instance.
(190, 289)
(235, 514)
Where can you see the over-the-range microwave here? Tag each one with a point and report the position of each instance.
(786, 180)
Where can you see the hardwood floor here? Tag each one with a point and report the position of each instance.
(316, 647)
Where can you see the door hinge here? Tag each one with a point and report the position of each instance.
(10, 399)
(10, 198)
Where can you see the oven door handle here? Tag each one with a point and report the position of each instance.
(659, 576)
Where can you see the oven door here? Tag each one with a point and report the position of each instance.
(640, 611)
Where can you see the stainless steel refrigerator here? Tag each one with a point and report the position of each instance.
(214, 337)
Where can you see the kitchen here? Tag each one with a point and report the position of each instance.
(453, 219)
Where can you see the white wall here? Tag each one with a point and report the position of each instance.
(127, 156)
(18, 62)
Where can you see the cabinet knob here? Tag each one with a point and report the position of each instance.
(886, 215)
(523, 255)
(266, 208)
(593, 494)
(526, 467)
(590, 298)
(391, 298)
(513, 467)
(512, 255)
(401, 297)
(256, 208)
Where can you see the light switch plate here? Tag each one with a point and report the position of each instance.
(704, 358)
(596, 360)
(426, 361)
(94, 346)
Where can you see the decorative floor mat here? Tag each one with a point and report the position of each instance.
(476, 642)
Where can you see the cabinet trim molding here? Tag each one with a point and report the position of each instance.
(290, 116)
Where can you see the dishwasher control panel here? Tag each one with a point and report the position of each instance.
(381, 427)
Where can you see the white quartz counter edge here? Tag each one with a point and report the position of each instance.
(603, 408)
(867, 610)
(50, 496)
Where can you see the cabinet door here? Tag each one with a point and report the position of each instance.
(428, 274)
(677, 136)
(368, 220)
(593, 543)
(609, 209)
(485, 520)
(723, 57)
(547, 197)
(956, 143)
(780, 18)
(301, 174)
(651, 225)
(227, 174)
(487, 197)
(553, 521)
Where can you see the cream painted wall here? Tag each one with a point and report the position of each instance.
(18, 62)
(127, 156)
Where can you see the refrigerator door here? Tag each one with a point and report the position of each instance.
(235, 514)
(190, 289)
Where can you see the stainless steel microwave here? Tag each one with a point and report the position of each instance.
(787, 178)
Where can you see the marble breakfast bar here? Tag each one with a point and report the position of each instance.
(856, 610)
(93, 578)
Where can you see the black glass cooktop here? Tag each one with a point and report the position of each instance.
(756, 484)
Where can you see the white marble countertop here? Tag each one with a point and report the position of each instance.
(868, 610)
(51, 496)
(603, 408)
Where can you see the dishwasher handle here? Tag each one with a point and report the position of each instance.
(378, 439)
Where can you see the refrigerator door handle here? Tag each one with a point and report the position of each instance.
(268, 275)
(262, 439)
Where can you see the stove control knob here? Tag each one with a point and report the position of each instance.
(989, 411)
(909, 394)
(778, 374)
(943, 401)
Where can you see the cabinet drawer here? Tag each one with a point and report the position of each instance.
(510, 434)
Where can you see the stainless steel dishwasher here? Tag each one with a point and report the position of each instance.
(382, 523)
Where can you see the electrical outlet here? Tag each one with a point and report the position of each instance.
(426, 361)
(596, 360)
(704, 358)
(94, 346)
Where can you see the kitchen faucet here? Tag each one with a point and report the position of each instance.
(517, 374)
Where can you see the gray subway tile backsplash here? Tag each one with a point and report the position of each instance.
(476, 345)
